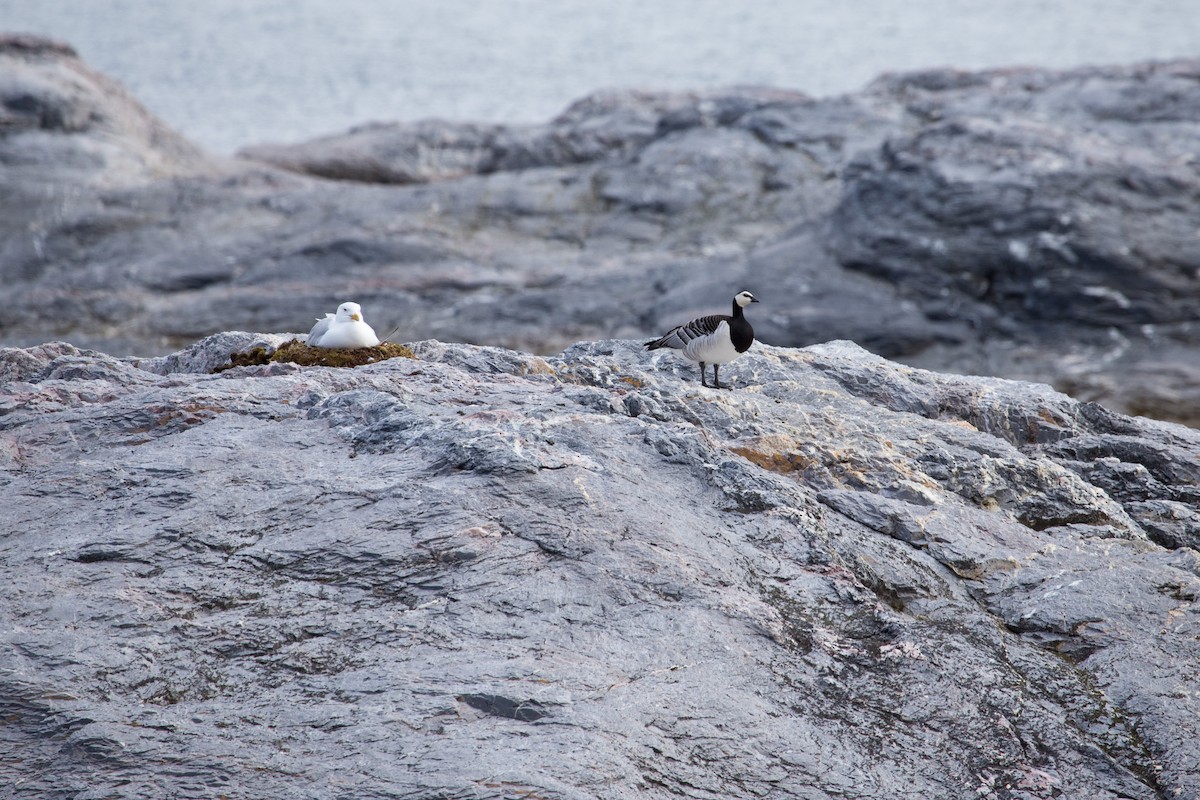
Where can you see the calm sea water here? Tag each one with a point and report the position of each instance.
(229, 73)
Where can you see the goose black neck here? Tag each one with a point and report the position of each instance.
(740, 332)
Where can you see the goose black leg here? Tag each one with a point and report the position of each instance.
(703, 377)
(716, 378)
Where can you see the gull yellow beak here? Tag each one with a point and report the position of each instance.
(356, 317)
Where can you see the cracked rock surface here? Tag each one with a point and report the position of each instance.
(487, 574)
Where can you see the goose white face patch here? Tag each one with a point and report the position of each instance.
(744, 299)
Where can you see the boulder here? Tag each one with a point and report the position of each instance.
(62, 121)
(486, 573)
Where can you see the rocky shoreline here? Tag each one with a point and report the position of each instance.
(524, 557)
(1026, 223)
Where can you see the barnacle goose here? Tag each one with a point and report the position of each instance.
(716, 339)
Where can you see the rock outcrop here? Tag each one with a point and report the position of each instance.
(483, 573)
(1028, 223)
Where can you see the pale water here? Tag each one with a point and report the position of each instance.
(229, 73)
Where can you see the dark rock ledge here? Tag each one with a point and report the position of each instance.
(486, 574)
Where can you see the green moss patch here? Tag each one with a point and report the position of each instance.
(298, 352)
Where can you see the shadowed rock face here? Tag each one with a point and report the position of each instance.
(1028, 223)
(482, 573)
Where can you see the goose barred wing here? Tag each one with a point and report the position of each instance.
(679, 337)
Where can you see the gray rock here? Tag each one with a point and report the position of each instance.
(1033, 224)
(606, 126)
(484, 573)
(211, 353)
(60, 119)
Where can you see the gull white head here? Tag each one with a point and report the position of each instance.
(744, 299)
(349, 312)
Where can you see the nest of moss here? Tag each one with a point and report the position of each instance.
(297, 352)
